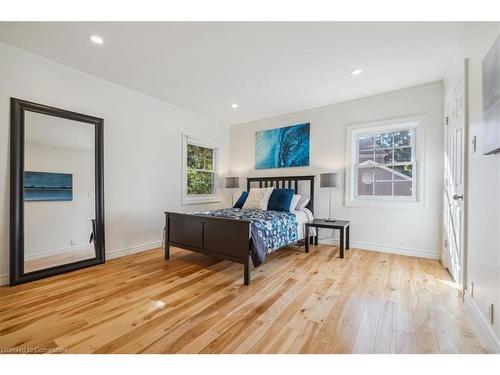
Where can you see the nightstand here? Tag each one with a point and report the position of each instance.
(342, 225)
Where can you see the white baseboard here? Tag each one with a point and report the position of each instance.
(4, 279)
(132, 250)
(63, 250)
(486, 333)
(419, 253)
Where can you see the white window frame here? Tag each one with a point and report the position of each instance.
(205, 198)
(354, 131)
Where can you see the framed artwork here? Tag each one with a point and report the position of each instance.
(282, 147)
(491, 100)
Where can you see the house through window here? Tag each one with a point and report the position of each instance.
(385, 164)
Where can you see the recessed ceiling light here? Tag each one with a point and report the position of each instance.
(356, 72)
(96, 39)
(234, 105)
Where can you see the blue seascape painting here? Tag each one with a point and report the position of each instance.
(282, 147)
(43, 186)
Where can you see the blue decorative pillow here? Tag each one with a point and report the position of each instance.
(280, 200)
(241, 200)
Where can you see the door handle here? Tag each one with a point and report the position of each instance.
(457, 197)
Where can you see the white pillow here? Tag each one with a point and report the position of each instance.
(258, 198)
(304, 200)
(295, 200)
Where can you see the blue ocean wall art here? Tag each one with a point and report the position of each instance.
(44, 186)
(282, 147)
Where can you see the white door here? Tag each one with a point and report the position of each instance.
(454, 174)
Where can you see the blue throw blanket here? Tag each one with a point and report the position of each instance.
(270, 229)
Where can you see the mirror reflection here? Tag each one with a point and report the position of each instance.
(59, 191)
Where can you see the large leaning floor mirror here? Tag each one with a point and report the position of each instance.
(57, 203)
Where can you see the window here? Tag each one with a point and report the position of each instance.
(383, 157)
(200, 171)
(385, 164)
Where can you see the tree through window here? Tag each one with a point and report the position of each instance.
(201, 171)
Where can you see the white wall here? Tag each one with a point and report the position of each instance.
(142, 146)
(53, 225)
(413, 231)
(483, 259)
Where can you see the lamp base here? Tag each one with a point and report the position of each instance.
(330, 220)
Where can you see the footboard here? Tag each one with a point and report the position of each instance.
(222, 238)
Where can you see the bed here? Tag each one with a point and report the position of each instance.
(242, 235)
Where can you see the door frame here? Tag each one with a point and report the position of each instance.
(462, 68)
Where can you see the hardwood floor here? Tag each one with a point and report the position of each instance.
(368, 302)
(70, 256)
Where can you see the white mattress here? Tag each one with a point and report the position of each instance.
(303, 217)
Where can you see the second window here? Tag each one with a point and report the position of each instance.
(385, 164)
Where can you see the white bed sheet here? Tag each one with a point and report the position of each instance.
(303, 217)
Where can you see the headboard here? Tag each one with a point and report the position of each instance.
(285, 182)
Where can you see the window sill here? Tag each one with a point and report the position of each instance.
(386, 203)
(203, 200)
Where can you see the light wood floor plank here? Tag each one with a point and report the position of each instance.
(369, 302)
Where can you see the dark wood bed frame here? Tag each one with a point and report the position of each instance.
(223, 238)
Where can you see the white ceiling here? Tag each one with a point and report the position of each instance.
(56, 131)
(269, 69)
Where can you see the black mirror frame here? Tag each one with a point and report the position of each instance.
(17, 111)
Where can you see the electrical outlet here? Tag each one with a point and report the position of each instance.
(73, 242)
